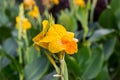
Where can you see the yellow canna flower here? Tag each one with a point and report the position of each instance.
(57, 39)
(25, 23)
(80, 3)
(29, 3)
(35, 12)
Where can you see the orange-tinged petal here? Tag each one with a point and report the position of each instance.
(71, 47)
(68, 37)
(55, 46)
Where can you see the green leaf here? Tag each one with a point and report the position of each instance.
(98, 34)
(107, 19)
(68, 21)
(94, 64)
(104, 74)
(31, 54)
(115, 4)
(72, 65)
(5, 33)
(36, 69)
(117, 14)
(15, 64)
(109, 47)
(9, 46)
(82, 57)
(3, 18)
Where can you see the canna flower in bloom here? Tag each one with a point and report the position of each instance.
(25, 23)
(35, 12)
(80, 3)
(56, 39)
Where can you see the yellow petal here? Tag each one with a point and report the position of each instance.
(37, 38)
(80, 3)
(26, 24)
(68, 37)
(55, 32)
(35, 12)
(45, 24)
(55, 46)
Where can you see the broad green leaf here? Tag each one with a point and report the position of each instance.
(36, 69)
(115, 4)
(109, 46)
(98, 34)
(31, 54)
(94, 64)
(82, 57)
(72, 65)
(107, 19)
(14, 63)
(104, 74)
(9, 46)
(68, 21)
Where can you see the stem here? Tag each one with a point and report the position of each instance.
(63, 67)
(92, 11)
(21, 12)
(53, 63)
(27, 46)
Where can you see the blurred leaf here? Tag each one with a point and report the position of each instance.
(98, 34)
(107, 19)
(104, 74)
(68, 21)
(115, 4)
(109, 47)
(36, 69)
(15, 64)
(32, 53)
(82, 57)
(94, 64)
(117, 14)
(32, 33)
(3, 18)
(73, 65)
(4, 33)
(10, 47)
(50, 76)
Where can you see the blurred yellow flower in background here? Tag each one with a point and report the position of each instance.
(56, 2)
(57, 39)
(35, 12)
(25, 23)
(80, 3)
(29, 3)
